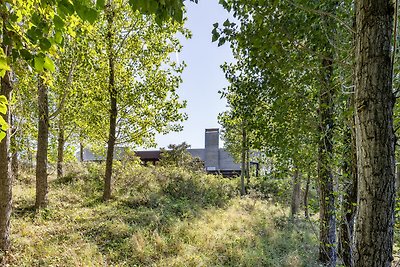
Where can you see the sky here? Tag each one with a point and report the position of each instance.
(203, 77)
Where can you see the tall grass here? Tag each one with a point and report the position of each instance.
(157, 217)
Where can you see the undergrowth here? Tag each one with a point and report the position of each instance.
(157, 217)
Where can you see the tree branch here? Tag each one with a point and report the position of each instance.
(323, 13)
(67, 84)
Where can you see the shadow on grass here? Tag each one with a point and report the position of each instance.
(24, 210)
(174, 222)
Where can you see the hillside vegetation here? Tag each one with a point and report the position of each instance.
(157, 217)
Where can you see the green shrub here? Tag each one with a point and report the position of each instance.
(268, 186)
(143, 184)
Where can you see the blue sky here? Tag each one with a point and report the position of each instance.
(203, 76)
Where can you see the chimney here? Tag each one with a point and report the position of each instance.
(212, 149)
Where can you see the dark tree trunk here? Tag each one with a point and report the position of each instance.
(15, 164)
(349, 202)
(60, 148)
(42, 146)
(113, 107)
(296, 183)
(5, 171)
(327, 250)
(14, 148)
(5, 160)
(375, 138)
(243, 170)
(307, 189)
(81, 148)
(247, 163)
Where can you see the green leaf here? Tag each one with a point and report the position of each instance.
(100, 4)
(44, 44)
(58, 37)
(91, 15)
(66, 7)
(35, 19)
(26, 54)
(3, 104)
(215, 35)
(39, 63)
(153, 6)
(3, 64)
(58, 22)
(32, 34)
(227, 23)
(178, 15)
(86, 13)
(2, 135)
(49, 64)
(3, 124)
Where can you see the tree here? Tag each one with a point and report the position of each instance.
(142, 79)
(273, 43)
(5, 163)
(31, 31)
(375, 138)
(178, 156)
(42, 145)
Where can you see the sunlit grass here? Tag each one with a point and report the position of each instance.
(156, 218)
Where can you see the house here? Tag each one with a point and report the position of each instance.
(216, 160)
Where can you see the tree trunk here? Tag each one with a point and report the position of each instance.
(42, 146)
(81, 148)
(5, 160)
(375, 138)
(349, 200)
(5, 171)
(327, 250)
(243, 170)
(113, 107)
(295, 206)
(14, 149)
(346, 228)
(60, 148)
(247, 164)
(307, 189)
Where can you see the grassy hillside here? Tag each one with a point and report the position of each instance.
(158, 217)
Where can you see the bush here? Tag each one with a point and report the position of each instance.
(146, 183)
(268, 186)
(178, 156)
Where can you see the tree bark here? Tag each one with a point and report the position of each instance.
(307, 189)
(81, 148)
(295, 206)
(113, 106)
(42, 146)
(327, 249)
(60, 148)
(247, 163)
(5, 171)
(349, 202)
(5, 158)
(14, 149)
(375, 138)
(243, 170)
